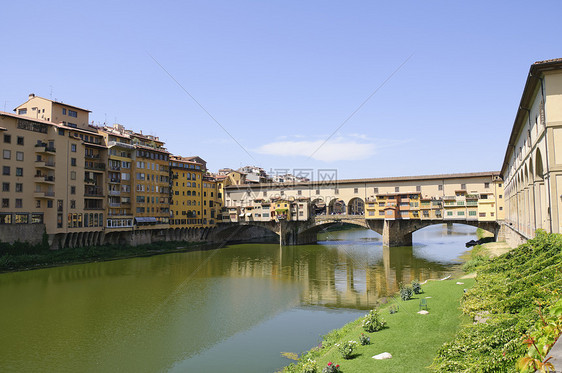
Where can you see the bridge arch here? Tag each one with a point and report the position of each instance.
(356, 206)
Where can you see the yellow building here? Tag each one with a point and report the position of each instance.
(186, 201)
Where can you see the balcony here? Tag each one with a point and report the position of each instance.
(95, 166)
(113, 204)
(44, 148)
(114, 168)
(90, 181)
(45, 164)
(93, 191)
(114, 180)
(92, 156)
(114, 193)
(42, 194)
(44, 179)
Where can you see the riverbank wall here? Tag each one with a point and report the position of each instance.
(33, 235)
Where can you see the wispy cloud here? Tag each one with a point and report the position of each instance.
(339, 149)
(352, 147)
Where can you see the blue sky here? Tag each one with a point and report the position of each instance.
(282, 76)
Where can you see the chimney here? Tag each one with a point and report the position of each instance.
(31, 95)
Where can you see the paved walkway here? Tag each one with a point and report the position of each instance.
(556, 353)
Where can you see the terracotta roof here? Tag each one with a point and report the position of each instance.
(531, 84)
(373, 180)
(53, 101)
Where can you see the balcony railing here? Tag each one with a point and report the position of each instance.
(44, 178)
(94, 166)
(42, 163)
(114, 193)
(45, 148)
(92, 156)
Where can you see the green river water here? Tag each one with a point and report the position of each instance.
(229, 310)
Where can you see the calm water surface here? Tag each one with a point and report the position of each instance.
(234, 309)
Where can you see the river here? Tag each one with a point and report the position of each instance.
(233, 309)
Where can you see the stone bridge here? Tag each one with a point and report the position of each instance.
(394, 232)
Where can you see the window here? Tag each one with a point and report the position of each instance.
(63, 111)
(22, 111)
(19, 187)
(460, 213)
(501, 208)
(5, 203)
(72, 175)
(61, 133)
(20, 140)
(5, 187)
(19, 203)
(49, 204)
(19, 156)
(418, 188)
(449, 213)
(72, 113)
(73, 148)
(500, 196)
(463, 186)
(38, 204)
(72, 204)
(355, 190)
(19, 171)
(472, 213)
(7, 138)
(440, 187)
(299, 192)
(73, 161)
(486, 185)
(317, 191)
(396, 189)
(72, 190)
(6, 154)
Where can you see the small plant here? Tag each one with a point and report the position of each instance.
(331, 368)
(310, 366)
(372, 322)
(347, 349)
(416, 287)
(406, 292)
(364, 340)
(393, 309)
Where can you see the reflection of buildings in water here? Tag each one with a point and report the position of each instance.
(332, 278)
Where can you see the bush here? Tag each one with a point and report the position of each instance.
(347, 349)
(416, 287)
(310, 366)
(406, 292)
(364, 340)
(372, 322)
(331, 368)
(506, 294)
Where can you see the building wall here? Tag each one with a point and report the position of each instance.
(533, 164)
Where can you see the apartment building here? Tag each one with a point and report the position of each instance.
(186, 202)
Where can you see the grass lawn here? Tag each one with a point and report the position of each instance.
(411, 338)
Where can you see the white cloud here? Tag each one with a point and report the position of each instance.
(339, 149)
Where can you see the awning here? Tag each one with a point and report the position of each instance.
(282, 209)
(248, 214)
(149, 219)
(242, 215)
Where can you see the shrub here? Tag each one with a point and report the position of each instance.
(416, 287)
(347, 349)
(406, 292)
(364, 340)
(310, 366)
(331, 368)
(372, 321)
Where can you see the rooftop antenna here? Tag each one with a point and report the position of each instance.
(5, 102)
(51, 92)
(105, 121)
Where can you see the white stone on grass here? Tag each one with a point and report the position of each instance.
(423, 312)
(460, 283)
(384, 355)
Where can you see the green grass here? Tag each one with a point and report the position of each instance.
(412, 339)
